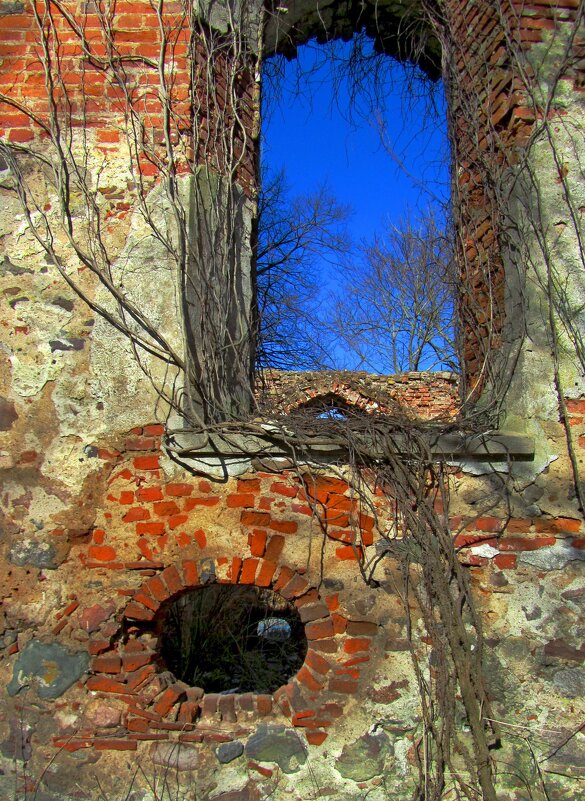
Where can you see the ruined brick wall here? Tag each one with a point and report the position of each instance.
(497, 65)
(93, 97)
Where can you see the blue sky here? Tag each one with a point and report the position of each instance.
(385, 155)
(307, 133)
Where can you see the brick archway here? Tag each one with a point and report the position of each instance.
(160, 708)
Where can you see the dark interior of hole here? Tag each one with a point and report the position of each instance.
(221, 638)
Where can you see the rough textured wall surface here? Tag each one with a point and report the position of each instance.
(101, 527)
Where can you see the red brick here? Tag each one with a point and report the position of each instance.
(248, 485)
(310, 612)
(240, 501)
(156, 528)
(234, 571)
(326, 484)
(149, 494)
(177, 520)
(576, 406)
(255, 519)
(301, 509)
(126, 497)
(188, 712)
(366, 523)
(167, 700)
(505, 561)
(190, 573)
(266, 772)
(265, 574)
(106, 744)
(135, 514)
(578, 542)
(136, 611)
(495, 524)
(102, 553)
(558, 525)
(257, 542)
(349, 553)
(275, 546)
(200, 538)
(108, 136)
(317, 662)
(518, 525)
(107, 663)
(525, 543)
(139, 444)
(145, 597)
(157, 588)
(172, 579)
(146, 462)
(319, 629)
(178, 490)
(20, 134)
(263, 704)
(284, 577)
(154, 430)
(284, 489)
(166, 508)
(316, 737)
(248, 573)
(101, 684)
(133, 662)
(192, 503)
(356, 644)
(137, 725)
(301, 718)
(346, 686)
(305, 677)
(339, 623)
(294, 588)
(332, 602)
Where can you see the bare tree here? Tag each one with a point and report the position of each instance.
(396, 312)
(295, 235)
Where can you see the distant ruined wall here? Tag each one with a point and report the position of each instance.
(100, 524)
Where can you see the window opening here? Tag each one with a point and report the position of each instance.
(362, 140)
(228, 639)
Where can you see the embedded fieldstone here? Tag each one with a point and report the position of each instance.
(8, 414)
(177, 756)
(364, 758)
(17, 746)
(36, 553)
(7, 8)
(570, 682)
(7, 638)
(227, 752)
(553, 558)
(69, 343)
(248, 793)
(273, 743)
(49, 667)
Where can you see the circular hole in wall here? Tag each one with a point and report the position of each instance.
(235, 639)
